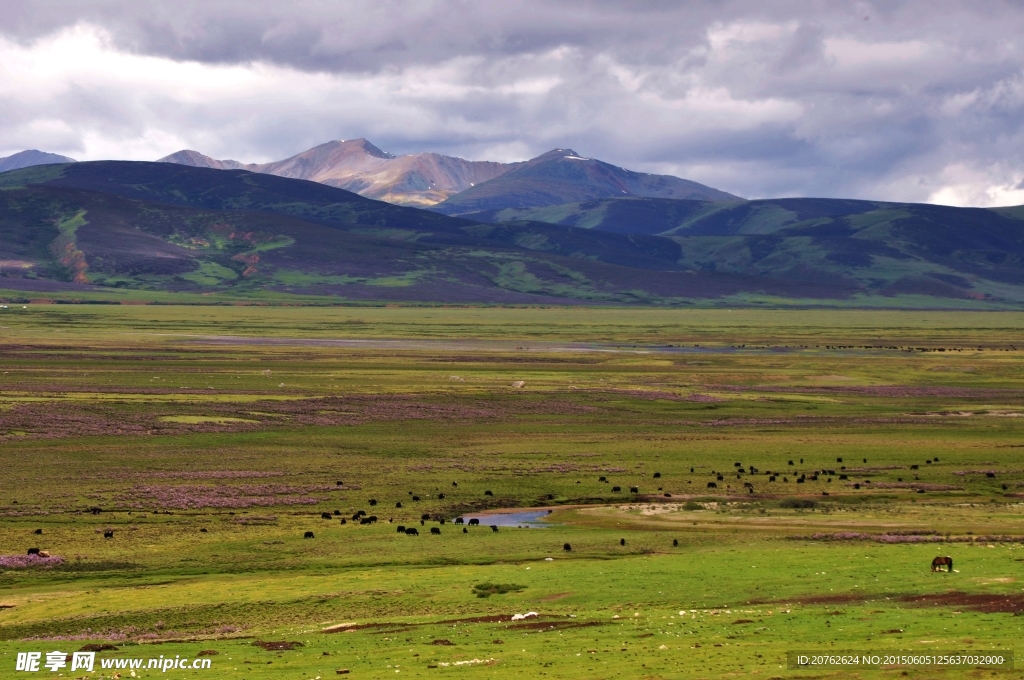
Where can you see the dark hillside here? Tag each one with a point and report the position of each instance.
(161, 226)
(890, 248)
(242, 190)
(177, 228)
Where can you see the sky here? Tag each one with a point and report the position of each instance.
(898, 100)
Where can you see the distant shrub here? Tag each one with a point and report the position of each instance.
(690, 505)
(488, 589)
(797, 503)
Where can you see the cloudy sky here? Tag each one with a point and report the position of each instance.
(913, 101)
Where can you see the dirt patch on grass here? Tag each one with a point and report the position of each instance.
(991, 603)
(99, 648)
(981, 602)
(277, 646)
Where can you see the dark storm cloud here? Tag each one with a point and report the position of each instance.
(915, 100)
(344, 36)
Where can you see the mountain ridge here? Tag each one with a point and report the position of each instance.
(359, 166)
(453, 185)
(563, 176)
(31, 157)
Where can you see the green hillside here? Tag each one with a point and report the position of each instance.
(95, 228)
(126, 230)
(890, 249)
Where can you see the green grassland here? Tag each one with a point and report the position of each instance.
(212, 438)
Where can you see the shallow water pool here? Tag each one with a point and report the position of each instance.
(529, 518)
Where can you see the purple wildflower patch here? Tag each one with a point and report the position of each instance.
(29, 562)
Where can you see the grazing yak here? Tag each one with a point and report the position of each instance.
(33, 551)
(675, 542)
(616, 489)
(401, 529)
(108, 534)
(567, 547)
(634, 489)
(373, 501)
(458, 520)
(308, 534)
(412, 531)
(325, 515)
(494, 528)
(37, 532)
(474, 522)
(488, 493)
(435, 531)
(940, 562)
(622, 541)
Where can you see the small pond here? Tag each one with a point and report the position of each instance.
(519, 518)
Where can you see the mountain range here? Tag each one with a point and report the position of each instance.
(356, 165)
(453, 185)
(447, 184)
(99, 226)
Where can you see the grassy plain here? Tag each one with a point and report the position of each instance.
(242, 421)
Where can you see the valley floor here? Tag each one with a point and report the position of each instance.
(846, 450)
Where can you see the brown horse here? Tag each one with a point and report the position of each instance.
(940, 562)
